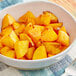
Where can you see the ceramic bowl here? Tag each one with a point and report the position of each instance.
(37, 7)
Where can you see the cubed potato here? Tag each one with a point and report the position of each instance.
(6, 31)
(30, 52)
(63, 38)
(27, 18)
(20, 29)
(13, 36)
(63, 29)
(40, 53)
(7, 41)
(24, 36)
(54, 19)
(43, 19)
(21, 48)
(35, 32)
(49, 35)
(7, 20)
(55, 25)
(16, 25)
(50, 55)
(52, 47)
(7, 52)
(28, 27)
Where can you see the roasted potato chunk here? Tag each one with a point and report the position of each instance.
(20, 29)
(30, 52)
(63, 38)
(24, 36)
(6, 31)
(54, 19)
(40, 53)
(9, 40)
(49, 35)
(52, 47)
(35, 32)
(43, 19)
(7, 52)
(7, 20)
(21, 48)
(27, 18)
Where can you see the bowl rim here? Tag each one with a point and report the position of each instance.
(49, 58)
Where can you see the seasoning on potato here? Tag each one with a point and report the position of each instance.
(32, 38)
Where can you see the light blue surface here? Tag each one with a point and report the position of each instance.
(54, 70)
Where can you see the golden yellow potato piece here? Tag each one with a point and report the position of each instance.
(43, 19)
(52, 47)
(63, 38)
(24, 36)
(49, 35)
(63, 29)
(54, 19)
(7, 52)
(6, 31)
(16, 25)
(20, 29)
(30, 52)
(7, 41)
(35, 32)
(40, 53)
(7, 20)
(21, 48)
(13, 36)
(10, 53)
(28, 27)
(27, 18)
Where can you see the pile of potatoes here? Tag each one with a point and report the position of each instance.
(32, 38)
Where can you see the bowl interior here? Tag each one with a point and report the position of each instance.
(37, 8)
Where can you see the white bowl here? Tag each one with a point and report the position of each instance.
(37, 7)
